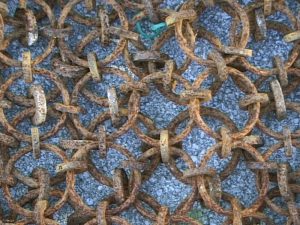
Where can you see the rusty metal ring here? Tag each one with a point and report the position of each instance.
(242, 44)
(136, 178)
(274, 193)
(295, 52)
(9, 167)
(247, 87)
(60, 86)
(88, 132)
(83, 62)
(102, 101)
(294, 106)
(154, 142)
(12, 62)
(209, 202)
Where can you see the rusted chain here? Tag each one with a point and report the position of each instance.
(77, 73)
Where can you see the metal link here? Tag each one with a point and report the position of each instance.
(78, 75)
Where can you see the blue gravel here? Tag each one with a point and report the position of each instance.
(162, 185)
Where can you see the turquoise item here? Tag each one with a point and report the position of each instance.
(157, 29)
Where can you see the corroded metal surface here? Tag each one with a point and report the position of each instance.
(122, 107)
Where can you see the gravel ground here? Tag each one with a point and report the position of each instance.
(162, 185)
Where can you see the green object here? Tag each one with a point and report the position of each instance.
(196, 214)
(159, 26)
(157, 29)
